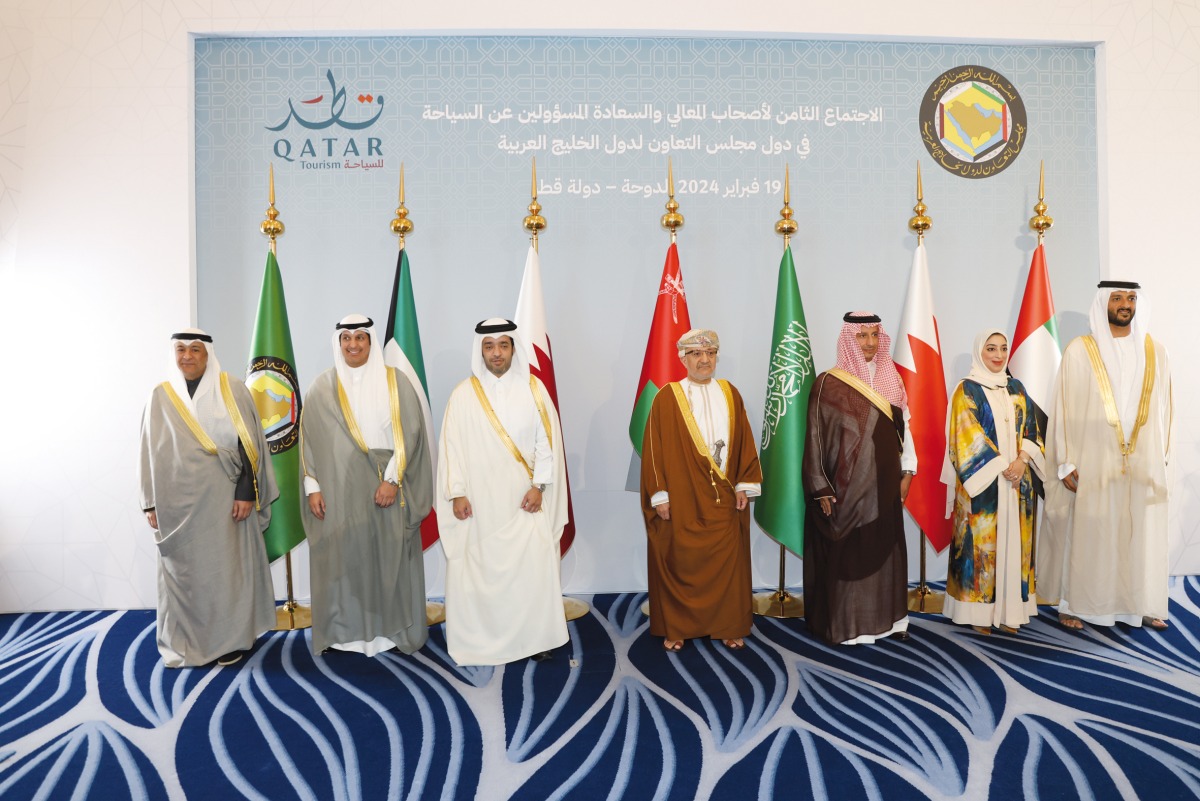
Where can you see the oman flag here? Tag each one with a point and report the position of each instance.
(661, 364)
(531, 325)
(918, 358)
(1035, 350)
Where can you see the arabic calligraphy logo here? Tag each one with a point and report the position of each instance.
(337, 107)
(791, 369)
(973, 122)
(673, 286)
(272, 385)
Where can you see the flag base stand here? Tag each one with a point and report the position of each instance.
(646, 607)
(924, 599)
(435, 613)
(778, 603)
(574, 608)
(291, 616)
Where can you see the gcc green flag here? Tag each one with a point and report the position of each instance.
(780, 510)
(271, 378)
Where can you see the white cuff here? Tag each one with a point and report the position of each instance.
(659, 498)
(311, 485)
(751, 488)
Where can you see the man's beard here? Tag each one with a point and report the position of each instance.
(1113, 319)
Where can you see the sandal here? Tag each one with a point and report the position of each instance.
(1156, 623)
(1008, 629)
(674, 646)
(982, 629)
(735, 644)
(1070, 622)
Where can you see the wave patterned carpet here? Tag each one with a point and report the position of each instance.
(88, 711)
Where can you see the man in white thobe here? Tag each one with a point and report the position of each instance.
(1103, 548)
(502, 506)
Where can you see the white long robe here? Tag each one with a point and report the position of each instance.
(1103, 550)
(503, 588)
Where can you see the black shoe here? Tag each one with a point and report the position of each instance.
(543, 656)
(231, 658)
(901, 636)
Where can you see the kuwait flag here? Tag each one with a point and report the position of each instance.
(531, 324)
(780, 510)
(1035, 350)
(918, 357)
(661, 364)
(402, 350)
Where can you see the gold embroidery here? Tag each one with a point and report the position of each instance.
(190, 420)
(1110, 402)
(498, 426)
(243, 433)
(694, 430)
(397, 428)
(860, 386)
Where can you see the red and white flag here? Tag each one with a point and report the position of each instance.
(531, 324)
(1036, 354)
(918, 358)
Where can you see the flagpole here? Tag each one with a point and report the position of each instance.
(292, 615)
(1040, 222)
(401, 226)
(780, 603)
(534, 222)
(672, 221)
(923, 599)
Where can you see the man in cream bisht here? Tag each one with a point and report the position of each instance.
(699, 472)
(207, 488)
(1103, 550)
(367, 477)
(501, 506)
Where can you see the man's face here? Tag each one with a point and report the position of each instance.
(191, 358)
(1122, 306)
(701, 363)
(497, 354)
(868, 339)
(356, 347)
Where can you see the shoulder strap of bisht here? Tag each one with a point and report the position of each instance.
(239, 425)
(685, 409)
(190, 420)
(862, 388)
(499, 427)
(1110, 402)
(540, 403)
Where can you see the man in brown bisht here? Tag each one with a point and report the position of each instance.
(699, 471)
(858, 464)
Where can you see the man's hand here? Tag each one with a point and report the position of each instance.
(905, 483)
(241, 510)
(462, 508)
(532, 502)
(385, 494)
(316, 505)
(827, 505)
(152, 518)
(663, 510)
(742, 501)
(1071, 482)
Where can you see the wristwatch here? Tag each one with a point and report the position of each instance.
(540, 488)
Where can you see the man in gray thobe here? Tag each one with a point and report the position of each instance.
(207, 488)
(369, 485)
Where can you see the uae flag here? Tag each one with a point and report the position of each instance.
(402, 350)
(918, 357)
(780, 510)
(661, 364)
(1035, 349)
(531, 325)
(271, 378)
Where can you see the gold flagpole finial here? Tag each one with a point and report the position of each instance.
(271, 227)
(785, 225)
(672, 220)
(1040, 221)
(534, 222)
(920, 222)
(402, 226)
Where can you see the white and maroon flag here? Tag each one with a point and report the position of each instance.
(531, 323)
(918, 357)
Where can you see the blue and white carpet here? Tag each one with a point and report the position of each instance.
(88, 711)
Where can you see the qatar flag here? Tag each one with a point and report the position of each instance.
(918, 357)
(531, 324)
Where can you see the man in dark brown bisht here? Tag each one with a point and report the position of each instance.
(699, 471)
(858, 464)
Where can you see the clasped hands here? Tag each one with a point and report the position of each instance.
(1012, 474)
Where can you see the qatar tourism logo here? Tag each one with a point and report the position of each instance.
(973, 122)
(332, 150)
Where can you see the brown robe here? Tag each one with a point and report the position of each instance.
(855, 560)
(699, 560)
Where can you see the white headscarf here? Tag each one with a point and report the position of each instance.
(1098, 318)
(520, 360)
(982, 374)
(366, 386)
(207, 403)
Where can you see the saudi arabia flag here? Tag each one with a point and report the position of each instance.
(780, 510)
(661, 364)
(1035, 350)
